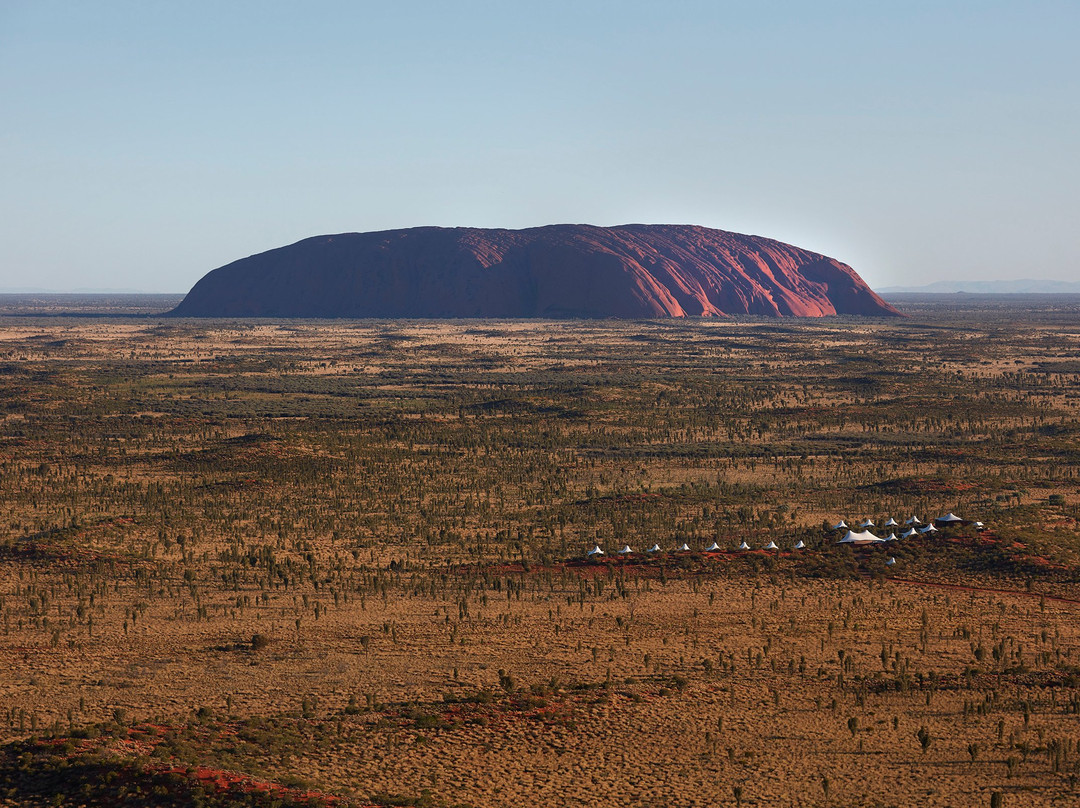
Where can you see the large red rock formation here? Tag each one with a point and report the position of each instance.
(630, 271)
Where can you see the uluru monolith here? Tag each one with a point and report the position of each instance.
(630, 271)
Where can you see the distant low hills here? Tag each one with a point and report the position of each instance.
(93, 304)
(631, 271)
(1016, 287)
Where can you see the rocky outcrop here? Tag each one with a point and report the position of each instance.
(631, 271)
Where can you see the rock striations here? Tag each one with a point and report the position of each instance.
(632, 271)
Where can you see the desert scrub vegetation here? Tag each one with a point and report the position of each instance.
(352, 553)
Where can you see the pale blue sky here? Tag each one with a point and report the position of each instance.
(144, 143)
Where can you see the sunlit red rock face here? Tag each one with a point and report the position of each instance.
(631, 271)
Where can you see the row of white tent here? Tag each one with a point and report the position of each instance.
(915, 524)
(866, 537)
(714, 547)
(916, 527)
(685, 548)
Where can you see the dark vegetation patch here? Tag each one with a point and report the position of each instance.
(57, 773)
(921, 486)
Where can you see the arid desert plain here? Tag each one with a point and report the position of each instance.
(344, 562)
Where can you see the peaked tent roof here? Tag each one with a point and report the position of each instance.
(712, 547)
(654, 549)
(595, 551)
(864, 537)
(771, 546)
(744, 546)
(683, 546)
(949, 518)
(928, 529)
(801, 545)
(625, 549)
(841, 525)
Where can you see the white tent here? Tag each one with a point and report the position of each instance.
(771, 546)
(907, 534)
(867, 524)
(625, 549)
(980, 526)
(684, 546)
(865, 537)
(744, 546)
(654, 549)
(595, 551)
(890, 562)
(892, 523)
(712, 548)
(801, 545)
(841, 525)
(928, 529)
(914, 520)
(891, 537)
(949, 519)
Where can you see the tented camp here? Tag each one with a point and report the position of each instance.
(949, 519)
(744, 546)
(771, 546)
(683, 547)
(654, 549)
(864, 537)
(892, 523)
(866, 525)
(800, 545)
(928, 529)
(914, 520)
(907, 534)
(595, 551)
(891, 537)
(890, 562)
(979, 525)
(625, 550)
(712, 548)
(841, 525)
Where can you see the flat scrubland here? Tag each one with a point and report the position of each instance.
(294, 563)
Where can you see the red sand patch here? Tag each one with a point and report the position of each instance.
(222, 781)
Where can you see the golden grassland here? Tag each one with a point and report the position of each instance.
(285, 562)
